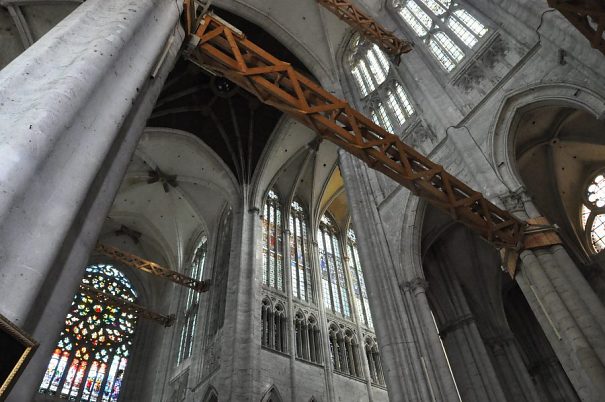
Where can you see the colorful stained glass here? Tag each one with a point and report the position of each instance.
(273, 259)
(94, 335)
(359, 287)
(299, 250)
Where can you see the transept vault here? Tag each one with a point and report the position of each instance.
(324, 279)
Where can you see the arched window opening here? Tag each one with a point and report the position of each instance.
(273, 259)
(368, 65)
(273, 326)
(374, 363)
(308, 343)
(211, 395)
(344, 350)
(449, 30)
(359, 284)
(272, 396)
(299, 254)
(189, 317)
(334, 284)
(89, 361)
(593, 213)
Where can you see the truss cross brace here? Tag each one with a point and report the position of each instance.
(588, 16)
(139, 263)
(368, 27)
(129, 307)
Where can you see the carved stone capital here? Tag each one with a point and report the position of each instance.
(415, 284)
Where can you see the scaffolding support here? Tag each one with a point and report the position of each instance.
(368, 27)
(139, 263)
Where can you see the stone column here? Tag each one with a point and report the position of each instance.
(569, 312)
(73, 107)
(410, 372)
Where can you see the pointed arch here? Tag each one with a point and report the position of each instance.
(302, 287)
(273, 259)
(211, 395)
(272, 395)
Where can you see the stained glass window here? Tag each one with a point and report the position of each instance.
(593, 213)
(368, 65)
(90, 358)
(273, 259)
(299, 253)
(359, 285)
(188, 323)
(449, 30)
(334, 284)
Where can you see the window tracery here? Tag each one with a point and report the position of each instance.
(359, 286)
(377, 84)
(273, 260)
(344, 350)
(90, 358)
(334, 284)
(189, 316)
(274, 326)
(448, 30)
(593, 213)
(308, 339)
(374, 362)
(302, 287)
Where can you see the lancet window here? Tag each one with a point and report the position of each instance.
(274, 326)
(344, 350)
(593, 213)
(448, 30)
(374, 363)
(90, 358)
(189, 318)
(377, 85)
(308, 339)
(359, 286)
(334, 284)
(299, 253)
(273, 259)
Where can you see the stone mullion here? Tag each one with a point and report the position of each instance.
(443, 27)
(336, 273)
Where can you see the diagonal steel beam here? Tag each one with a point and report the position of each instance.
(139, 263)
(368, 27)
(129, 307)
(588, 16)
(225, 51)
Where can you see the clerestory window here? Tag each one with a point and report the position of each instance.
(299, 254)
(444, 26)
(334, 284)
(273, 259)
(593, 213)
(189, 317)
(359, 286)
(90, 358)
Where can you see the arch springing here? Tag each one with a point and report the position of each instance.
(359, 286)
(273, 326)
(302, 287)
(273, 259)
(334, 284)
(89, 361)
(344, 350)
(593, 213)
(189, 313)
(449, 30)
(308, 339)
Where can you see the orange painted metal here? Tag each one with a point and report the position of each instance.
(139, 263)
(373, 31)
(223, 50)
(588, 16)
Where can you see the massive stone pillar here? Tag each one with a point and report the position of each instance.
(415, 367)
(570, 313)
(72, 108)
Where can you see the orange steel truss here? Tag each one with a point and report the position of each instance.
(222, 49)
(136, 262)
(350, 14)
(139, 311)
(588, 16)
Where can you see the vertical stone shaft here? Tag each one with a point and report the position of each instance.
(64, 101)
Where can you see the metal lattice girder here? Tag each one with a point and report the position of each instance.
(134, 261)
(222, 49)
(373, 31)
(588, 16)
(129, 307)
